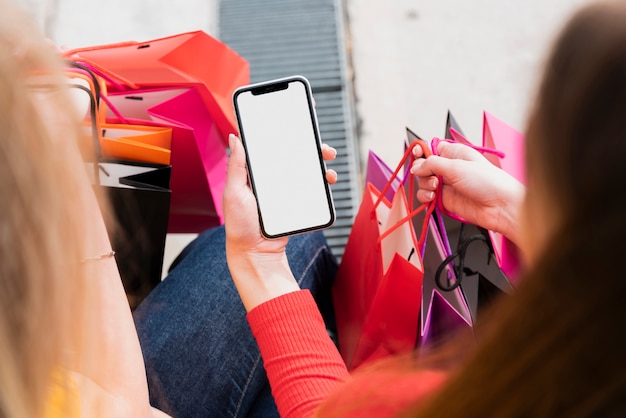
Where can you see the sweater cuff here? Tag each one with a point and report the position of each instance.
(299, 305)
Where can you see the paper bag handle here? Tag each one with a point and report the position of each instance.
(429, 207)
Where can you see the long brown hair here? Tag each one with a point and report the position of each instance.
(40, 221)
(557, 348)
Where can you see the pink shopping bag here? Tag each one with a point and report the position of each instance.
(502, 137)
(198, 155)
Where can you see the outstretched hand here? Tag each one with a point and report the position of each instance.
(471, 188)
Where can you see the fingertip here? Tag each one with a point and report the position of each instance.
(232, 140)
(237, 155)
(425, 196)
(331, 176)
(417, 164)
(329, 152)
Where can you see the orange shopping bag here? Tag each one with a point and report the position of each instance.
(139, 143)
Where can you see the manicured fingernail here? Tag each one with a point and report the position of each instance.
(429, 195)
(416, 165)
(232, 140)
(435, 183)
(329, 148)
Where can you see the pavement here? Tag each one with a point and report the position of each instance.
(412, 60)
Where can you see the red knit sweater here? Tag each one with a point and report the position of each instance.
(306, 371)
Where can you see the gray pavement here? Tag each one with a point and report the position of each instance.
(412, 60)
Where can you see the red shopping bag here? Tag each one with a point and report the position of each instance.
(198, 156)
(377, 290)
(441, 312)
(186, 59)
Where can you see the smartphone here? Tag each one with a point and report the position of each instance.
(279, 130)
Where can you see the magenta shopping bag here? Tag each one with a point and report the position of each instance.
(499, 136)
(198, 154)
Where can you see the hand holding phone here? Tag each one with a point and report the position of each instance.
(279, 131)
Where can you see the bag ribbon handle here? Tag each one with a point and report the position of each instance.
(428, 207)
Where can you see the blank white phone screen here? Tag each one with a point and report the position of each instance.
(284, 162)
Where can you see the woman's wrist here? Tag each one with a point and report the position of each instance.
(261, 277)
(509, 219)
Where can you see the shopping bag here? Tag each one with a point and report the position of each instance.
(140, 143)
(378, 173)
(453, 128)
(502, 137)
(503, 146)
(451, 311)
(198, 156)
(186, 59)
(465, 265)
(139, 197)
(117, 141)
(444, 310)
(376, 292)
(443, 313)
(464, 280)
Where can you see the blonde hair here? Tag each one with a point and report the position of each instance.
(40, 224)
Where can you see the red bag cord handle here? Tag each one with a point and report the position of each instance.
(429, 207)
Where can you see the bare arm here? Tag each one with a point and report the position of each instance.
(104, 357)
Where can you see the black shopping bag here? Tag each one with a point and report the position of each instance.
(139, 197)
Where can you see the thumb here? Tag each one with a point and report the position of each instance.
(237, 174)
(458, 151)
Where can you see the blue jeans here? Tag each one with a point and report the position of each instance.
(201, 358)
